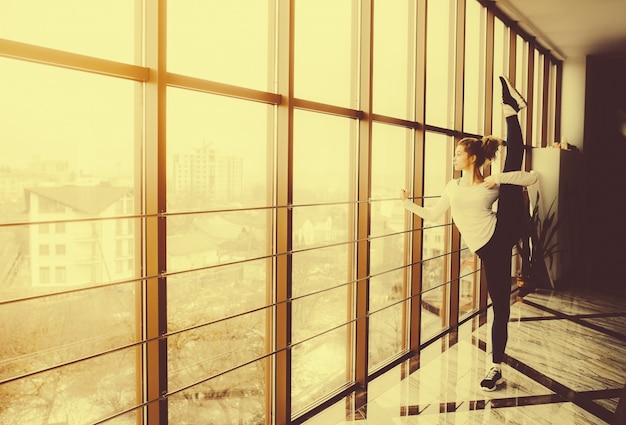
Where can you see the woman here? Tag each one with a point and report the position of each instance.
(489, 234)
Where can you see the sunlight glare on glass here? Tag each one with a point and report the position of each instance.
(99, 28)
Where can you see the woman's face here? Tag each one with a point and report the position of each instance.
(462, 161)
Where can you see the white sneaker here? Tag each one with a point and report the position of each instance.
(491, 381)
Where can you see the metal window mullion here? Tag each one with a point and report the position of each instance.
(530, 99)
(417, 175)
(488, 124)
(412, 333)
(155, 224)
(363, 209)
(270, 216)
(551, 103)
(557, 101)
(512, 55)
(489, 57)
(545, 100)
(139, 205)
(526, 115)
(460, 65)
(284, 215)
(454, 300)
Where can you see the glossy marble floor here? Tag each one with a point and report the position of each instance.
(566, 364)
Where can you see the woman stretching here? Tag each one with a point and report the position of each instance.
(489, 234)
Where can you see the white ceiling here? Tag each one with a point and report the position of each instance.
(572, 28)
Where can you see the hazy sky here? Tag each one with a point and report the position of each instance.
(89, 120)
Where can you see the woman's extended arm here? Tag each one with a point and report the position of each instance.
(427, 213)
(518, 178)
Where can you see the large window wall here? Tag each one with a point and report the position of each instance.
(200, 215)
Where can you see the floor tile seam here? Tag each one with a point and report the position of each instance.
(581, 399)
(481, 404)
(602, 394)
(535, 319)
(452, 342)
(473, 341)
(563, 316)
(423, 409)
(600, 315)
(482, 345)
(537, 303)
(578, 321)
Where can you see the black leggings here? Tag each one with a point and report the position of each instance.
(496, 254)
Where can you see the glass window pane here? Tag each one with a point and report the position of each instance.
(386, 255)
(69, 167)
(392, 156)
(321, 290)
(222, 41)
(319, 367)
(201, 240)
(435, 279)
(322, 301)
(317, 313)
(321, 225)
(320, 269)
(387, 334)
(105, 29)
(326, 51)
(393, 81)
(323, 158)
(386, 291)
(474, 88)
(440, 62)
(189, 294)
(437, 164)
(436, 236)
(234, 398)
(435, 299)
(219, 152)
(211, 349)
(58, 329)
(469, 285)
(67, 138)
(87, 253)
(391, 160)
(203, 349)
(323, 179)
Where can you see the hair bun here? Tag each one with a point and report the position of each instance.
(490, 145)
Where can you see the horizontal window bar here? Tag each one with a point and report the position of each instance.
(206, 86)
(63, 59)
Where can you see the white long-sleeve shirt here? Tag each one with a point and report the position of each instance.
(472, 206)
